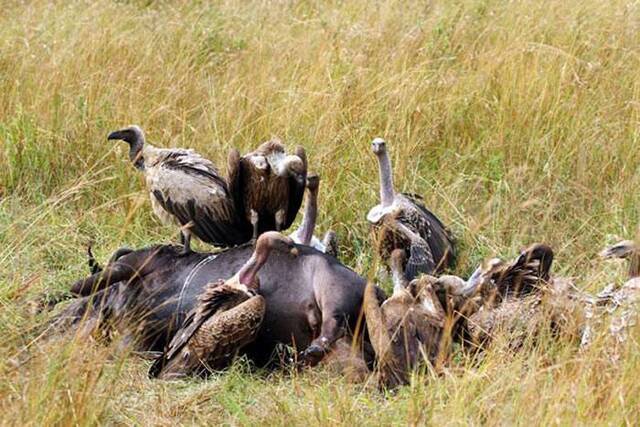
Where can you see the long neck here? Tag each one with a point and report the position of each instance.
(309, 219)
(400, 282)
(250, 269)
(634, 264)
(136, 152)
(386, 179)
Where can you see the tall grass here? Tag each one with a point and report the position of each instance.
(517, 121)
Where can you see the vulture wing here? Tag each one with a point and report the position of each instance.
(296, 190)
(189, 187)
(216, 297)
(432, 230)
(524, 274)
(421, 258)
(227, 332)
(234, 180)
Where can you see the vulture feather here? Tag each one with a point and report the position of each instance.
(401, 221)
(186, 189)
(406, 329)
(227, 318)
(268, 185)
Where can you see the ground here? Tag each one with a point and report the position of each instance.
(517, 122)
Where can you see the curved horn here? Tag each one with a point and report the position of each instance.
(380, 339)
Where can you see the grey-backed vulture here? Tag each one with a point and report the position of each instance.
(304, 234)
(186, 189)
(226, 318)
(401, 221)
(268, 185)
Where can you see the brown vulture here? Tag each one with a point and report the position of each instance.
(304, 234)
(268, 185)
(401, 221)
(227, 317)
(186, 189)
(406, 329)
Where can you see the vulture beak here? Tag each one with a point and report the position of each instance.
(115, 135)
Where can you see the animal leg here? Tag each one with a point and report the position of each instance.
(330, 332)
(110, 275)
(253, 218)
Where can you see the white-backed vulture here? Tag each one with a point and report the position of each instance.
(618, 301)
(268, 185)
(401, 221)
(226, 318)
(304, 234)
(186, 189)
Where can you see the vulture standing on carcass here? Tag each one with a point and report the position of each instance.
(304, 234)
(621, 302)
(268, 185)
(185, 188)
(227, 317)
(406, 329)
(403, 222)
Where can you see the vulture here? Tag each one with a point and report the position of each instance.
(186, 189)
(226, 318)
(620, 301)
(268, 185)
(406, 329)
(518, 297)
(401, 221)
(304, 234)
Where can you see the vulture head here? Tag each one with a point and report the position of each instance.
(266, 243)
(626, 249)
(313, 181)
(623, 249)
(291, 166)
(134, 136)
(378, 146)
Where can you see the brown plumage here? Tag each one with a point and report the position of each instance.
(186, 189)
(268, 185)
(406, 329)
(401, 221)
(227, 317)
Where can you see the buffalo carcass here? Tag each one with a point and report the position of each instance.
(311, 299)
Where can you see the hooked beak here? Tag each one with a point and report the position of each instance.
(117, 135)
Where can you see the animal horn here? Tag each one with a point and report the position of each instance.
(380, 339)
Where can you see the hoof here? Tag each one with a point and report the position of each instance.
(312, 355)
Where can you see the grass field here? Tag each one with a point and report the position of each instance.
(517, 121)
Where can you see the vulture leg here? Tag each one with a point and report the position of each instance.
(185, 241)
(254, 223)
(280, 218)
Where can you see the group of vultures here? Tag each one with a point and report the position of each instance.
(287, 299)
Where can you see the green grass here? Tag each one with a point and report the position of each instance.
(517, 121)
